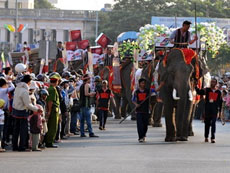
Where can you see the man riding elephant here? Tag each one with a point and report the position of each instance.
(181, 37)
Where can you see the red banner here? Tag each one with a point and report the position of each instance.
(71, 46)
(75, 35)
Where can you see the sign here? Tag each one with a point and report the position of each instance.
(75, 35)
(74, 55)
(103, 40)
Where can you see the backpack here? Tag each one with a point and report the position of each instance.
(76, 106)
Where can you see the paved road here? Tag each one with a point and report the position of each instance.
(118, 151)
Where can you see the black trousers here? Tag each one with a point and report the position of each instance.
(210, 122)
(102, 117)
(8, 124)
(142, 124)
(20, 131)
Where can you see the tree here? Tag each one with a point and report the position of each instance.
(43, 4)
(128, 15)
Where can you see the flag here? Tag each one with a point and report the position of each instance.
(3, 60)
(103, 40)
(75, 35)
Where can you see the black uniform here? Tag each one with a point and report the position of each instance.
(213, 104)
(142, 112)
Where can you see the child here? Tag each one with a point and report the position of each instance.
(103, 97)
(141, 101)
(42, 101)
(36, 128)
(2, 104)
(213, 105)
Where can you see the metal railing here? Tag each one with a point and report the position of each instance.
(48, 14)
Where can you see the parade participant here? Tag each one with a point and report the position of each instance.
(103, 98)
(85, 95)
(59, 50)
(52, 111)
(181, 37)
(2, 117)
(213, 104)
(141, 101)
(5, 88)
(108, 61)
(21, 105)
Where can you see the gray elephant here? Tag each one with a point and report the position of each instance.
(155, 107)
(127, 104)
(176, 95)
(116, 100)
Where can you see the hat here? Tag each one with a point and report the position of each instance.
(64, 81)
(105, 81)
(33, 86)
(187, 23)
(2, 103)
(85, 77)
(55, 76)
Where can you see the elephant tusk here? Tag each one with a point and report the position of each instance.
(174, 95)
(190, 96)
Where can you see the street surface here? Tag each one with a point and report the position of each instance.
(117, 150)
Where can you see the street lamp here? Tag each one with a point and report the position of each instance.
(16, 24)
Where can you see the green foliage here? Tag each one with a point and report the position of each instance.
(43, 4)
(221, 60)
(130, 15)
(126, 49)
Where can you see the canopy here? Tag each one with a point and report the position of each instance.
(130, 35)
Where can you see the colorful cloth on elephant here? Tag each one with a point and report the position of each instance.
(188, 55)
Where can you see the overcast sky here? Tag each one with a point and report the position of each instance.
(82, 4)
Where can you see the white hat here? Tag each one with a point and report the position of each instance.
(33, 85)
(20, 68)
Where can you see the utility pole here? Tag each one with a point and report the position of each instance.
(96, 25)
(16, 25)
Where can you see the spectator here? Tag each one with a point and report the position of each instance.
(85, 95)
(5, 89)
(2, 103)
(21, 105)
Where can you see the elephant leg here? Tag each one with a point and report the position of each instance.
(131, 105)
(124, 107)
(153, 102)
(158, 114)
(190, 129)
(169, 117)
(117, 107)
(186, 120)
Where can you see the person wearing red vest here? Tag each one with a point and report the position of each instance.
(213, 105)
(103, 97)
(141, 100)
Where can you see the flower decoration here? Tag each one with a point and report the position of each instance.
(126, 49)
(212, 35)
(147, 36)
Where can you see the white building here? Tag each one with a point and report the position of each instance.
(41, 21)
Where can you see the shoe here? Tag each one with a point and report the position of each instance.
(170, 139)
(83, 136)
(100, 128)
(93, 136)
(141, 140)
(133, 118)
(24, 150)
(213, 141)
(37, 150)
(75, 133)
(51, 146)
(144, 139)
(2, 150)
(206, 140)
(42, 146)
(104, 128)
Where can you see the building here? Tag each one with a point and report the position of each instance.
(56, 24)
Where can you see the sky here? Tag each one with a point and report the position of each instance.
(82, 4)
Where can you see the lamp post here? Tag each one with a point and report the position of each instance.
(16, 25)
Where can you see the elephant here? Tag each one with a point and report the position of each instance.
(176, 95)
(156, 106)
(127, 104)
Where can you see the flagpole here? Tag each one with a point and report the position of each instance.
(196, 29)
